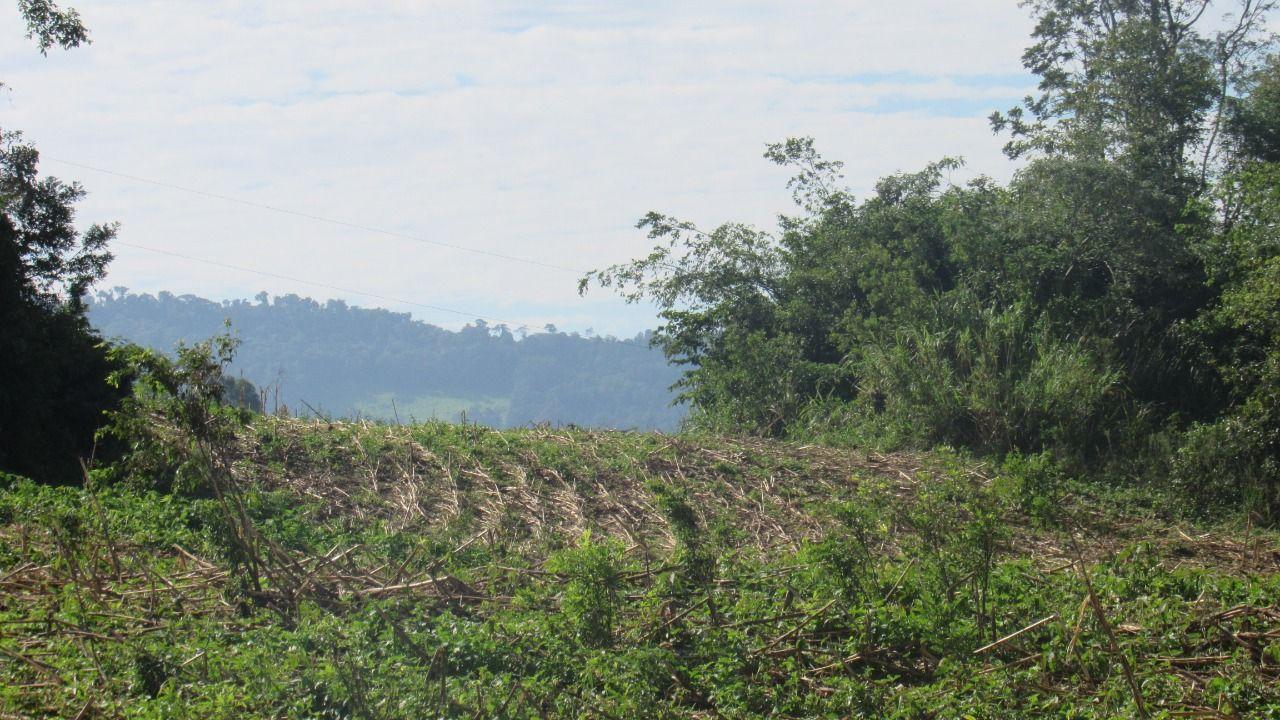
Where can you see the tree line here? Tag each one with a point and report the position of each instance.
(1113, 309)
(341, 360)
(1116, 306)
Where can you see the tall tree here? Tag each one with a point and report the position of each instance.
(1053, 312)
(1138, 81)
(54, 368)
(1127, 134)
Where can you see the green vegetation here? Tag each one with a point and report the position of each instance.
(1114, 305)
(348, 361)
(53, 367)
(369, 571)
(240, 565)
(972, 451)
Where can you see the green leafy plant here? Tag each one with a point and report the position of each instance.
(590, 597)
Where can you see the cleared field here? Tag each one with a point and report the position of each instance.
(362, 570)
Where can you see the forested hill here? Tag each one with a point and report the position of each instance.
(344, 361)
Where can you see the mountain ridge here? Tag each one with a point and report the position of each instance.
(332, 358)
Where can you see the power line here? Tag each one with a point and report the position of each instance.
(320, 218)
(350, 291)
(326, 286)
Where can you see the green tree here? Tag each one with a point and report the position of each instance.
(1253, 121)
(54, 367)
(766, 323)
(1056, 312)
(725, 297)
(1136, 81)
(50, 25)
(1136, 115)
(1235, 457)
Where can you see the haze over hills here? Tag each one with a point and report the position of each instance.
(341, 360)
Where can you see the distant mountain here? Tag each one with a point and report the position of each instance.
(341, 360)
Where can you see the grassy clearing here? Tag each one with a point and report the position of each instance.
(387, 407)
(453, 571)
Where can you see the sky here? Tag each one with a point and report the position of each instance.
(389, 135)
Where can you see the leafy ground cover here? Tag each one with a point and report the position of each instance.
(435, 570)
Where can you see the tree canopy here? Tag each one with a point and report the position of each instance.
(54, 367)
(1116, 296)
(344, 360)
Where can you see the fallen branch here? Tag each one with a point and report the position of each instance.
(1010, 636)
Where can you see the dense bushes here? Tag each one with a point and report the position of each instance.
(1239, 336)
(179, 424)
(991, 379)
(1117, 304)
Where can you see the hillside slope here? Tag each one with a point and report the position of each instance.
(350, 361)
(435, 570)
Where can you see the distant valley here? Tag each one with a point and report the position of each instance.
(331, 358)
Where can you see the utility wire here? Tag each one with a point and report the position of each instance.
(290, 278)
(326, 286)
(320, 218)
(331, 221)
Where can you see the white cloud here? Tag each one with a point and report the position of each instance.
(539, 130)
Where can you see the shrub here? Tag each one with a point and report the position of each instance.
(988, 378)
(590, 597)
